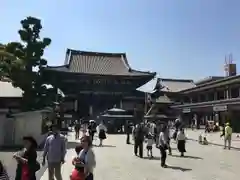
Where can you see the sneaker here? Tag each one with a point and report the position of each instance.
(164, 166)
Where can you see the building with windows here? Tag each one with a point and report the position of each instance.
(214, 98)
(94, 81)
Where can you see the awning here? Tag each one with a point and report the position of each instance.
(149, 87)
(116, 116)
(116, 110)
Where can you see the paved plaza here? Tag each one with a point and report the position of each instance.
(115, 161)
(214, 138)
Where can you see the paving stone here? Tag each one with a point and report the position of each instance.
(115, 161)
(214, 137)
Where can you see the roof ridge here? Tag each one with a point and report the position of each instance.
(94, 53)
(143, 71)
(125, 62)
(213, 82)
(178, 80)
(58, 66)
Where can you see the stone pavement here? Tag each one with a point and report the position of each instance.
(115, 161)
(213, 138)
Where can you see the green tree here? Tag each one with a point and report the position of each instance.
(23, 62)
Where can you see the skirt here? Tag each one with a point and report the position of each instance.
(181, 146)
(102, 134)
(76, 175)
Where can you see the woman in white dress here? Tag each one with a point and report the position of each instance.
(101, 132)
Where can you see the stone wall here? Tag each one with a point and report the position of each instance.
(22, 124)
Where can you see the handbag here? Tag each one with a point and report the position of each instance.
(25, 172)
(37, 166)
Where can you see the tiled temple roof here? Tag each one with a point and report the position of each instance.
(176, 85)
(98, 63)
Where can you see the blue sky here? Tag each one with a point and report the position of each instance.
(176, 38)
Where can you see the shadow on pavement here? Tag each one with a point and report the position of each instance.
(178, 168)
(215, 144)
(190, 157)
(152, 158)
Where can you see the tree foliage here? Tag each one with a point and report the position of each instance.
(23, 62)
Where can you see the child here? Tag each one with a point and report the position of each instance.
(78, 171)
(205, 142)
(200, 140)
(181, 140)
(150, 142)
(3, 173)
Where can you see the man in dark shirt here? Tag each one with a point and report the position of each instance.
(138, 140)
(77, 129)
(92, 129)
(128, 132)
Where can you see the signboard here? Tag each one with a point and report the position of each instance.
(100, 81)
(220, 108)
(186, 110)
(101, 92)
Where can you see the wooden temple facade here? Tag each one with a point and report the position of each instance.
(93, 82)
(217, 100)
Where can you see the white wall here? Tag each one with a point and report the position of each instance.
(28, 124)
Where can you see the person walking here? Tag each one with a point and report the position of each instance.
(168, 137)
(87, 157)
(228, 136)
(78, 171)
(150, 142)
(163, 146)
(138, 140)
(27, 160)
(54, 150)
(128, 132)
(101, 133)
(77, 129)
(92, 129)
(181, 141)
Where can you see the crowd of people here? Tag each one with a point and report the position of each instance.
(160, 136)
(84, 162)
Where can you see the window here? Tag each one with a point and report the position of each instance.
(234, 92)
(220, 95)
(211, 96)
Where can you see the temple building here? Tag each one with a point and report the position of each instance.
(166, 95)
(213, 99)
(94, 81)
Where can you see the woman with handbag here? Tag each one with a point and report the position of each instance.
(27, 160)
(102, 132)
(163, 145)
(87, 157)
